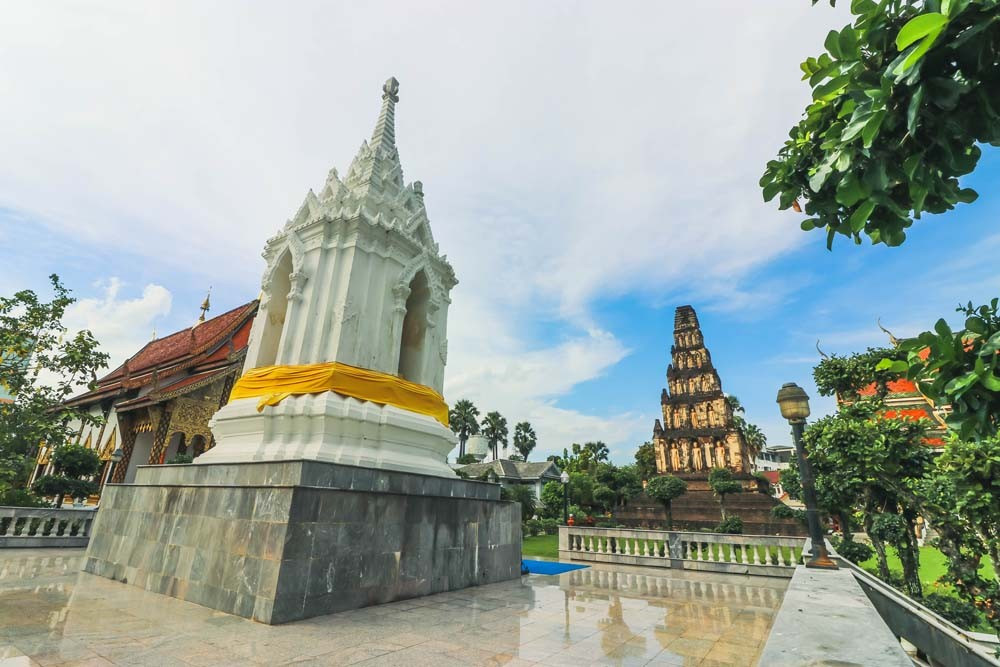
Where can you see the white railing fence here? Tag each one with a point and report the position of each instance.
(738, 554)
(45, 527)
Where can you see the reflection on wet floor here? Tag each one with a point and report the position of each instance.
(52, 614)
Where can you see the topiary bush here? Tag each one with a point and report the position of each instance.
(731, 524)
(856, 552)
(181, 458)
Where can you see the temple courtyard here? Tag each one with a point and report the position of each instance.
(51, 613)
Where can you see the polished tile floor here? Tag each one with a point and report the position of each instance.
(52, 614)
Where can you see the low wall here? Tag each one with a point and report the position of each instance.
(933, 636)
(282, 541)
(826, 619)
(764, 555)
(37, 527)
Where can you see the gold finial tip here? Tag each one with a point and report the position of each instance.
(206, 305)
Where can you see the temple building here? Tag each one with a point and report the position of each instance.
(158, 403)
(697, 432)
(904, 401)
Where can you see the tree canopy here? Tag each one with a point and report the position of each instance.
(903, 98)
(40, 366)
(494, 429)
(524, 439)
(462, 419)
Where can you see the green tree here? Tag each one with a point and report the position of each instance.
(552, 499)
(665, 489)
(645, 461)
(845, 376)
(722, 484)
(959, 368)
(524, 439)
(902, 101)
(462, 419)
(466, 459)
(752, 435)
(523, 494)
(866, 462)
(40, 367)
(73, 464)
(604, 497)
(494, 429)
(962, 493)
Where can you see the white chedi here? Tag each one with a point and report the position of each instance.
(477, 446)
(354, 277)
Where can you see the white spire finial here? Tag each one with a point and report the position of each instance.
(384, 136)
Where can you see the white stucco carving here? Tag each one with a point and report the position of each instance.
(356, 277)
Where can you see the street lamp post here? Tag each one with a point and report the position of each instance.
(564, 478)
(794, 404)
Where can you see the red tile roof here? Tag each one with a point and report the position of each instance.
(184, 343)
(204, 345)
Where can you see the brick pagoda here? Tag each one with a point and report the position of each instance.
(697, 433)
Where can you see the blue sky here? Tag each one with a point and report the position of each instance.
(587, 168)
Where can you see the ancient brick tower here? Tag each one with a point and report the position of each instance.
(697, 433)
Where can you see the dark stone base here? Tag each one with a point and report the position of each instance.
(281, 541)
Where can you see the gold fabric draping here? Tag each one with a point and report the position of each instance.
(273, 384)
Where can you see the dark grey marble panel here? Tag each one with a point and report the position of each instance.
(281, 553)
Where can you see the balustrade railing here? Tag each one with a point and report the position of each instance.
(742, 554)
(45, 527)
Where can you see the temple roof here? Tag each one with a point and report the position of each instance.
(205, 348)
(517, 470)
(184, 343)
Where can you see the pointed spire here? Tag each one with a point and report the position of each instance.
(384, 136)
(206, 305)
(376, 168)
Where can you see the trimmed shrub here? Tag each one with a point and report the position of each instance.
(181, 458)
(731, 524)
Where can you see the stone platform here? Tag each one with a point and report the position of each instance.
(698, 509)
(281, 541)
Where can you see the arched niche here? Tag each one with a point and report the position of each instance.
(277, 308)
(414, 330)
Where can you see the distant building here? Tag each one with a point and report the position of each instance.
(157, 404)
(774, 457)
(515, 473)
(698, 432)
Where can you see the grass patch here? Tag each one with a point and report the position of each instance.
(546, 546)
(933, 566)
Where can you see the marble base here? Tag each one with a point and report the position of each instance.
(332, 428)
(281, 541)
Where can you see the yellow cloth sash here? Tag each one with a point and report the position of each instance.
(274, 384)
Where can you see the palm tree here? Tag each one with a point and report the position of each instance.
(494, 429)
(524, 439)
(462, 419)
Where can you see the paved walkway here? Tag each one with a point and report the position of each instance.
(52, 614)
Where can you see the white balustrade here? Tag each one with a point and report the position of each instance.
(744, 554)
(45, 527)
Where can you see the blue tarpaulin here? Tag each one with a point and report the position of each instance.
(549, 567)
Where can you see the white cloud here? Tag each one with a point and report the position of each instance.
(120, 324)
(569, 151)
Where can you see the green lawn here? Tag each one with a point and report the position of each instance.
(932, 566)
(540, 545)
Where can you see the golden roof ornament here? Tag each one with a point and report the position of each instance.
(892, 339)
(206, 305)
